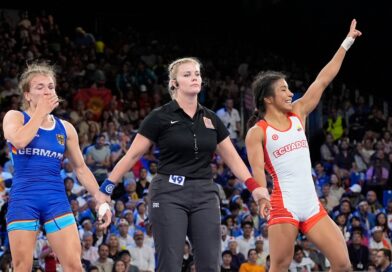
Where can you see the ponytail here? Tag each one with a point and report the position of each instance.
(254, 118)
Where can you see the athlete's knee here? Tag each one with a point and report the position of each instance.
(281, 263)
(72, 266)
(71, 261)
(20, 264)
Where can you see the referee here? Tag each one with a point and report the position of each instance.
(184, 199)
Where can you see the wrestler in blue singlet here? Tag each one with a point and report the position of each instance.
(38, 194)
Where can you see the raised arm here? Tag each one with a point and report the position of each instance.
(311, 98)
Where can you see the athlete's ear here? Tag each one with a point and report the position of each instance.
(27, 96)
(268, 100)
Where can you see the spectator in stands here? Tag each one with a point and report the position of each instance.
(321, 176)
(98, 158)
(142, 183)
(84, 39)
(353, 195)
(335, 124)
(119, 266)
(366, 150)
(104, 263)
(246, 241)
(378, 240)
(277, 142)
(331, 201)
(143, 255)
(119, 208)
(251, 264)
(300, 262)
(69, 184)
(358, 119)
(86, 224)
(328, 151)
(125, 240)
(388, 211)
(89, 252)
(126, 257)
(344, 159)
(356, 175)
(114, 246)
(187, 259)
(226, 261)
(383, 260)
(368, 219)
(376, 178)
(224, 237)
(387, 142)
(336, 190)
(261, 255)
(128, 214)
(237, 258)
(341, 222)
(49, 258)
(359, 253)
(376, 121)
(381, 220)
(152, 170)
(39, 141)
(231, 119)
(140, 214)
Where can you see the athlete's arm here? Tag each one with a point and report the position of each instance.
(84, 174)
(311, 98)
(230, 156)
(75, 156)
(21, 135)
(254, 149)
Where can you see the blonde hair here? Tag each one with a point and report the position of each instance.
(173, 70)
(33, 69)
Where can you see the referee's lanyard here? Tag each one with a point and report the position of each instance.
(193, 129)
(208, 124)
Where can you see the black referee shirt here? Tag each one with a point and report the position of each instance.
(186, 144)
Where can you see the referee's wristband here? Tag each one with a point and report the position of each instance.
(107, 187)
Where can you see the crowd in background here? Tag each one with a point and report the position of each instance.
(108, 85)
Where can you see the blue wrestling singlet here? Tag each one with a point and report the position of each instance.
(37, 194)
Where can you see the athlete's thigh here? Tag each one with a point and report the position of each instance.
(281, 239)
(22, 244)
(327, 237)
(66, 244)
(22, 226)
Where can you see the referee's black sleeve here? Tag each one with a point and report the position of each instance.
(150, 126)
(221, 129)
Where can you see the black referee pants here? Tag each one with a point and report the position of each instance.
(176, 211)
